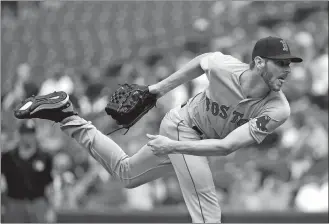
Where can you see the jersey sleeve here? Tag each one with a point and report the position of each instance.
(207, 62)
(266, 122)
(221, 65)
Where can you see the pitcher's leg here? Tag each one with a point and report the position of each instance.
(132, 171)
(198, 189)
(57, 107)
(193, 173)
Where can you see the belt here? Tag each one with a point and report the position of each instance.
(193, 127)
(197, 130)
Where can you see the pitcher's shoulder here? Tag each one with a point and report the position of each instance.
(223, 61)
(277, 103)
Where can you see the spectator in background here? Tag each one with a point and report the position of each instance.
(316, 142)
(275, 194)
(174, 194)
(298, 84)
(243, 194)
(57, 81)
(139, 198)
(181, 93)
(23, 87)
(96, 91)
(319, 72)
(28, 174)
(63, 178)
(69, 188)
(9, 8)
(313, 195)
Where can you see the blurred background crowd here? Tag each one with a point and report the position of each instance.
(88, 48)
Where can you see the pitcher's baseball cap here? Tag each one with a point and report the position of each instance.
(273, 48)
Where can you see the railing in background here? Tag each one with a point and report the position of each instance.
(172, 215)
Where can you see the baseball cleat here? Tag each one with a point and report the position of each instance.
(54, 106)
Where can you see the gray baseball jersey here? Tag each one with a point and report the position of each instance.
(222, 107)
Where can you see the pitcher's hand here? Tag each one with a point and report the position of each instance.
(160, 145)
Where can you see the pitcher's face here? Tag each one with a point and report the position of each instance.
(275, 73)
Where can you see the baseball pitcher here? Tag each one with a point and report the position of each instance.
(241, 106)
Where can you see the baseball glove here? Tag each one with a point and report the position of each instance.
(129, 103)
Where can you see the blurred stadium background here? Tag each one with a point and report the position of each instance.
(88, 48)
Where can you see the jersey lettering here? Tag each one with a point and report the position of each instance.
(241, 122)
(224, 110)
(207, 104)
(221, 111)
(214, 108)
(237, 116)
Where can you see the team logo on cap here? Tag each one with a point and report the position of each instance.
(284, 45)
